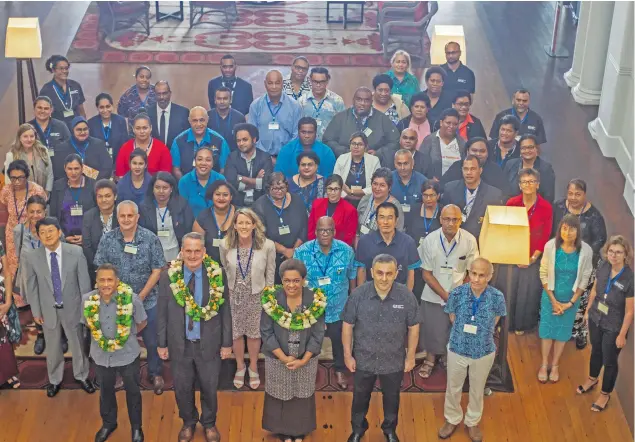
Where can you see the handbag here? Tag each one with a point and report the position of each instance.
(16, 286)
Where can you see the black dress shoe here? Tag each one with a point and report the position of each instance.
(580, 342)
(65, 346)
(137, 435)
(355, 437)
(87, 386)
(104, 433)
(391, 437)
(52, 389)
(40, 344)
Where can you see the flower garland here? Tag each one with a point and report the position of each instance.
(186, 299)
(293, 321)
(123, 298)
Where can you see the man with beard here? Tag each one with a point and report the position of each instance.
(242, 94)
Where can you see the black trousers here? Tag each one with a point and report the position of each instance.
(189, 370)
(334, 333)
(604, 352)
(363, 383)
(108, 401)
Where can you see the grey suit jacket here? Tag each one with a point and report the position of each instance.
(215, 333)
(39, 285)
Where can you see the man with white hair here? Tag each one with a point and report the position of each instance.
(137, 254)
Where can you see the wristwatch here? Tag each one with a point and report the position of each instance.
(240, 178)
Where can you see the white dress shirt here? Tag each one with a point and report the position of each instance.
(59, 257)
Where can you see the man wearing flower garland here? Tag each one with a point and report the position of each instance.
(194, 331)
(115, 315)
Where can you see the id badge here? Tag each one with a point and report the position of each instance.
(109, 149)
(216, 242)
(324, 281)
(463, 217)
(603, 308)
(51, 152)
(274, 125)
(129, 248)
(446, 270)
(405, 208)
(364, 229)
(356, 188)
(69, 113)
(284, 230)
(249, 193)
(194, 162)
(368, 131)
(470, 328)
(163, 233)
(319, 123)
(77, 211)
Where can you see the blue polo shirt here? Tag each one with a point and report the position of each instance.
(411, 192)
(461, 302)
(287, 161)
(184, 148)
(338, 265)
(402, 248)
(190, 188)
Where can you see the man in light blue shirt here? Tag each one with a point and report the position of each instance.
(321, 103)
(275, 115)
(330, 265)
(287, 158)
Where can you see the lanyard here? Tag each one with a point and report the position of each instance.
(475, 303)
(612, 281)
(240, 266)
(427, 226)
(46, 134)
(372, 214)
(39, 244)
(358, 169)
(516, 115)
(165, 213)
(328, 260)
(145, 100)
(107, 132)
(148, 150)
(532, 209)
(229, 83)
(469, 202)
(404, 188)
(364, 120)
(229, 120)
(281, 211)
(220, 233)
(278, 107)
(447, 254)
(65, 97)
(15, 202)
(76, 191)
(81, 153)
(316, 114)
(308, 201)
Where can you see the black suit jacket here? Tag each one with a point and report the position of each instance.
(92, 230)
(547, 187)
(215, 333)
(118, 132)
(181, 213)
(96, 157)
(242, 96)
(179, 121)
(492, 175)
(86, 196)
(454, 193)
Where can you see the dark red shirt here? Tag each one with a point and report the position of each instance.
(158, 160)
(344, 216)
(540, 220)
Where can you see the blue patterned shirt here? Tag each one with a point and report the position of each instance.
(323, 111)
(461, 302)
(130, 102)
(338, 265)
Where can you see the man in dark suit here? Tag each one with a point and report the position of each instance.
(168, 119)
(194, 346)
(242, 92)
(471, 195)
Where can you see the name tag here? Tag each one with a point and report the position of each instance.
(463, 217)
(55, 134)
(405, 208)
(470, 328)
(603, 308)
(461, 80)
(364, 229)
(319, 123)
(69, 113)
(249, 193)
(274, 126)
(51, 153)
(368, 131)
(77, 211)
(531, 127)
(446, 270)
(216, 242)
(163, 233)
(109, 149)
(129, 248)
(397, 95)
(356, 188)
(324, 281)
(399, 306)
(284, 230)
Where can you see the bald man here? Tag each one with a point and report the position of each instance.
(407, 140)
(276, 116)
(361, 117)
(186, 145)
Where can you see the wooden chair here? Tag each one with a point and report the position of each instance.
(116, 16)
(226, 9)
(407, 35)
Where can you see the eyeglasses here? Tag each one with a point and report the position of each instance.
(427, 196)
(333, 189)
(199, 120)
(63, 69)
(528, 183)
(319, 82)
(278, 188)
(15, 179)
(300, 68)
(615, 252)
(324, 231)
(358, 145)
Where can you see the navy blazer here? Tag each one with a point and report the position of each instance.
(242, 96)
(180, 211)
(118, 132)
(179, 121)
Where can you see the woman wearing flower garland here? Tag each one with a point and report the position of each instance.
(292, 329)
(114, 316)
(249, 259)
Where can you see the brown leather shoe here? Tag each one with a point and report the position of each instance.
(157, 385)
(475, 433)
(186, 434)
(340, 380)
(446, 430)
(212, 435)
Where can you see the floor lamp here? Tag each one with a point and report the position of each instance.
(24, 43)
(504, 239)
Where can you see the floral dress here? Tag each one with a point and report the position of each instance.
(245, 305)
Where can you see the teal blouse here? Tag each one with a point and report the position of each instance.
(406, 88)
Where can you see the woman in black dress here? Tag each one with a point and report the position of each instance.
(215, 221)
(593, 230)
(284, 216)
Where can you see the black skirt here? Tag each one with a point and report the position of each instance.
(295, 417)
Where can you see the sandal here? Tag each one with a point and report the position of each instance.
(14, 382)
(598, 408)
(581, 390)
(254, 379)
(519, 332)
(239, 378)
(554, 378)
(426, 369)
(543, 377)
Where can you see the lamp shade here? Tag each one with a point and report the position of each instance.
(443, 34)
(504, 236)
(23, 38)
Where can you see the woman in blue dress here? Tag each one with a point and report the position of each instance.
(565, 270)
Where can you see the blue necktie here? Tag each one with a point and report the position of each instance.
(56, 278)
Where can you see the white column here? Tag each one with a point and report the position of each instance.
(589, 88)
(572, 76)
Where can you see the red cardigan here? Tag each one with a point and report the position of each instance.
(345, 218)
(539, 223)
(160, 159)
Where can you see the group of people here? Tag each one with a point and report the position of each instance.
(264, 225)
